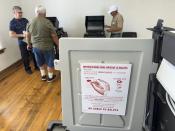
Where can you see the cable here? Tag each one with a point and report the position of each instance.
(170, 103)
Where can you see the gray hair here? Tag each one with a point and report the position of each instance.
(40, 10)
(16, 8)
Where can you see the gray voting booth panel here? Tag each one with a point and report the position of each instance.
(73, 51)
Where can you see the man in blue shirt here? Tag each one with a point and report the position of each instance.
(17, 29)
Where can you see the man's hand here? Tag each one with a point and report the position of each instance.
(109, 30)
(24, 34)
(14, 35)
(29, 46)
(107, 26)
(55, 39)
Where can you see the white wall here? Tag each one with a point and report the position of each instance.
(138, 14)
(11, 54)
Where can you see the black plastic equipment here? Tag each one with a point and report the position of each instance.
(54, 21)
(56, 125)
(158, 115)
(94, 26)
(158, 32)
(168, 47)
(129, 34)
(59, 30)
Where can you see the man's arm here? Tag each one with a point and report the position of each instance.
(28, 39)
(14, 35)
(55, 39)
(114, 29)
(53, 33)
(107, 26)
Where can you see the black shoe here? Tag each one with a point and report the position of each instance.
(44, 78)
(29, 72)
(51, 79)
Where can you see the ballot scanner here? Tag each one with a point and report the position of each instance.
(138, 93)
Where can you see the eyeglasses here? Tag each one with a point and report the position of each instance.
(19, 12)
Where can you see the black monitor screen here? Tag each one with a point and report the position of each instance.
(168, 47)
(94, 23)
(92, 26)
(54, 21)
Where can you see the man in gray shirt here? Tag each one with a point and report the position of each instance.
(41, 33)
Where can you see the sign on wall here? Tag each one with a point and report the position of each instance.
(105, 87)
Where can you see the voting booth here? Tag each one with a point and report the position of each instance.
(104, 83)
(94, 26)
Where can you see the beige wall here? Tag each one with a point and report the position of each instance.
(138, 15)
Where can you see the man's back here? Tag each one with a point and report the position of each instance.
(41, 29)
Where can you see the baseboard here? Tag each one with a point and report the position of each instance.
(11, 69)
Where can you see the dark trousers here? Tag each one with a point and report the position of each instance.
(25, 55)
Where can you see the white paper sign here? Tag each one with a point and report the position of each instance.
(105, 87)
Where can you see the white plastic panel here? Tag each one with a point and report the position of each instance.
(73, 51)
